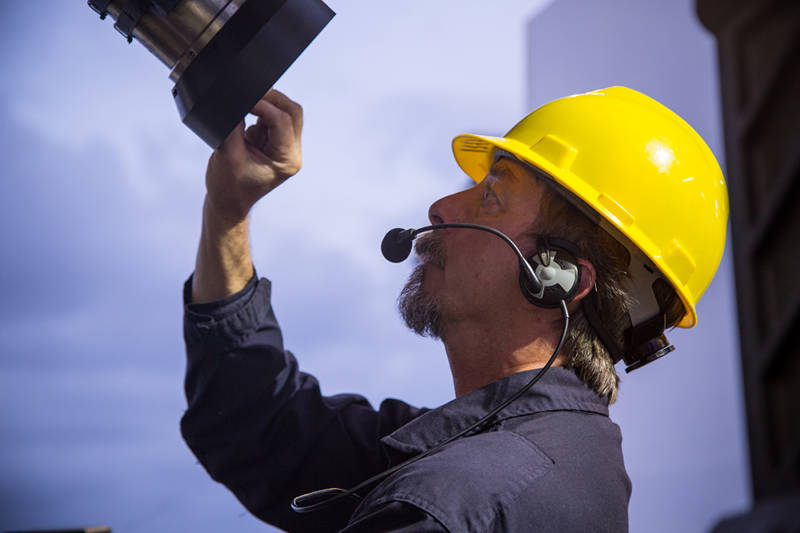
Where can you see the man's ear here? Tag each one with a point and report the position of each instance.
(588, 279)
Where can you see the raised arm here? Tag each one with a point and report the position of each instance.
(255, 421)
(247, 166)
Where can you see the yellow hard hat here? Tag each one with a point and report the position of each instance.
(638, 165)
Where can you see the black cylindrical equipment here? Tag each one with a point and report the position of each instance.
(223, 54)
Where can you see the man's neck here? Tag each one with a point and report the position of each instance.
(481, 352)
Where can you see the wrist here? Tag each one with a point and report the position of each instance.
(224, 215)
(223, 264)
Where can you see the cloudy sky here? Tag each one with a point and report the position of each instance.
(99, 219)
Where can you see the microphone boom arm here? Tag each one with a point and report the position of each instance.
(403, 237)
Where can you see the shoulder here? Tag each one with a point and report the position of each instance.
(507, 480)
(464, 485)
(588, 488)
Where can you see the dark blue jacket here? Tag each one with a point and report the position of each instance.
(551, 461)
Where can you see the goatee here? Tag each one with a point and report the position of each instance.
(419, 309)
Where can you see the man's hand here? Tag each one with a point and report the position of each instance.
(251, 163)
(244, 168)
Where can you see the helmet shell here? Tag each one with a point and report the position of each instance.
(636, 164)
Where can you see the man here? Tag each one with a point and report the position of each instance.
(620, 209)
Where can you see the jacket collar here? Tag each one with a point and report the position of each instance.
(558, 390)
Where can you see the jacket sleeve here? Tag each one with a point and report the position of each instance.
(261, 427)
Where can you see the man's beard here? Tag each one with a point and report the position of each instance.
(418, 308)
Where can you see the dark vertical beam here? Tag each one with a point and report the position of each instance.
(759, 58)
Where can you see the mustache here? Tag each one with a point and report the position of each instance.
(429, 248)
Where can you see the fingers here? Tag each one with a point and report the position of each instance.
(277, 131)
(277, 125)
(285, 104)
(257, 136)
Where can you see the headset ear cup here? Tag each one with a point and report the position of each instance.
(561, 278)
(563, 285)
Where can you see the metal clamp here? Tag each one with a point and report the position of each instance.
(129, 17)
(100, 7)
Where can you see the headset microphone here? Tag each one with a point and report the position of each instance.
(396, 245)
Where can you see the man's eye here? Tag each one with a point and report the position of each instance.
(489, 195)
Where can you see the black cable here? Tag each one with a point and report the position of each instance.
(322, 498)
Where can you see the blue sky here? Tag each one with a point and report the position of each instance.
(99, 220)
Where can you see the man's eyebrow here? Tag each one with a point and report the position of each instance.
(501, 169)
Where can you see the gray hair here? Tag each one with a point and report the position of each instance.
(587, 355)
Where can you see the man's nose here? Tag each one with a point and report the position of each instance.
(445, 210)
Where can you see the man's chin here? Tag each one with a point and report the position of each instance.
(418, 307)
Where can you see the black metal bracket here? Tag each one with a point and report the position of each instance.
(132, 12)
(129, 17)
(100, 7)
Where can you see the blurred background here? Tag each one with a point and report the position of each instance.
(100, 215)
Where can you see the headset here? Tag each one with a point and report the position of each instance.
(545, 279)
(549, 279)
